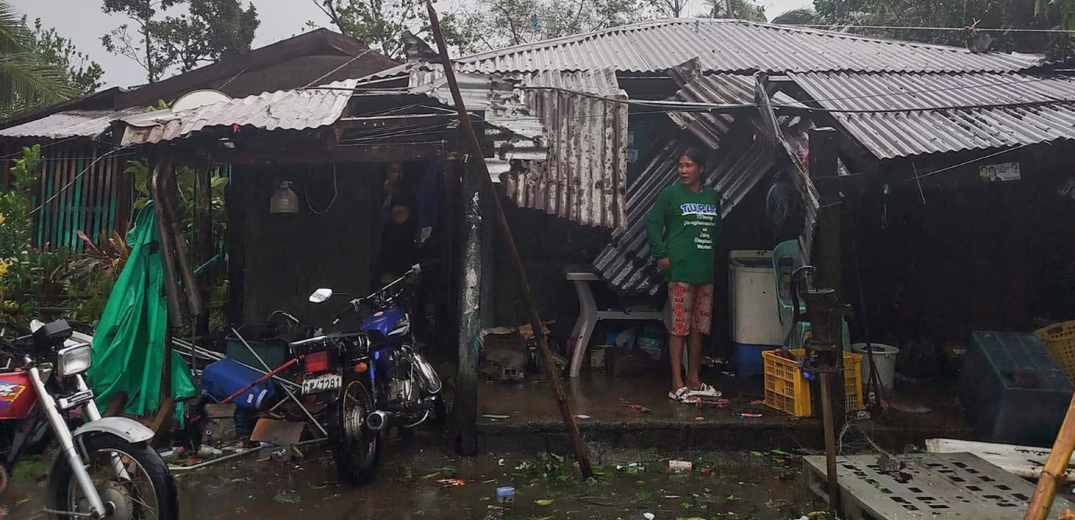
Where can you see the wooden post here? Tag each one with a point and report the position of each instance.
(235, 208)
(824, 152)
(204, 221)
(171, 273)
(509, 245)
(466, 381)
(823, 163)
(1055, 466)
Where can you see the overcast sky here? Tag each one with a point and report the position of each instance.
(84, 23)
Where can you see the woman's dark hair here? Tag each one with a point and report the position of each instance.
(696, 155)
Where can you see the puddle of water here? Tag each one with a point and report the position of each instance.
(725, 485)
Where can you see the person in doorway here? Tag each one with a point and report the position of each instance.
(682, 228)
(398, 252)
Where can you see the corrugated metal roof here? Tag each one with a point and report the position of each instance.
(584, 178)
(67, 124)
(921, 130)
(728, 89)
(569, 146)
(281, 110)
(737, 46)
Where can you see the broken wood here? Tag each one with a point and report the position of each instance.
(509, 242)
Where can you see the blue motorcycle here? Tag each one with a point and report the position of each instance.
(374, 378)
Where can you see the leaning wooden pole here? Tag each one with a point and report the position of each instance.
(509, 241)
(1055, 466)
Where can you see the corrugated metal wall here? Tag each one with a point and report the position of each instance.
(585, 176)
(81, 191)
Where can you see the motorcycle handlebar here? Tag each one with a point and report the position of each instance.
(352, 306)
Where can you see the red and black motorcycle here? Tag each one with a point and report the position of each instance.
(105, 468)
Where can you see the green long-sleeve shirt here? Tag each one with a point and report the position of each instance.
(683, 226)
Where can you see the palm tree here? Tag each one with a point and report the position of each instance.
(26, 81)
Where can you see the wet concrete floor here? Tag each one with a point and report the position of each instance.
(725, 485)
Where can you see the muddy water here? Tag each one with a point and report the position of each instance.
(726, 485)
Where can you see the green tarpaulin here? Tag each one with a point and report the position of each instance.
(128, 346)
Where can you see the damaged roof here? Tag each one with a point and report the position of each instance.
(68, 124)
(299, 109)
(917, 114)
(737, 46)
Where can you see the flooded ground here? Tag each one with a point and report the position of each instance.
(417, 481)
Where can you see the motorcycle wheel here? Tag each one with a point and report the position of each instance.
(148, 492)
(356, 449)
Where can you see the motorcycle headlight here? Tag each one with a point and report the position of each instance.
(73, 360)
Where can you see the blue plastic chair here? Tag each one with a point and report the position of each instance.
(786, 259)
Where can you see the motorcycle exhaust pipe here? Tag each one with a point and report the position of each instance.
(377, 421)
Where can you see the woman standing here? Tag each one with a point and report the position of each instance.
(682, 228)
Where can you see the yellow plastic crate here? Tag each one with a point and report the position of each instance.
(1059, 338)
(787, 391)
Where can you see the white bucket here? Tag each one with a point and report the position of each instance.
(884, 357)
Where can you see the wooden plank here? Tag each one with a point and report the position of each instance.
(108, 199)
(89, 201)
(81, 166)
(99, 197)
(58, 201)
(42, 194)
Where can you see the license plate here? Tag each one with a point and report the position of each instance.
(322, 384)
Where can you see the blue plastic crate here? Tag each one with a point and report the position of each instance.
(1013, 390)
(747, 359)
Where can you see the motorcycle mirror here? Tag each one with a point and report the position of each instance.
(320, 295)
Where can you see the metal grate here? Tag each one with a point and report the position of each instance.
(933, 486)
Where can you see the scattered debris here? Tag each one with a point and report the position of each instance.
(452, 482)
(543, 502)
(649, 516)
(280, 433)
(747, 415)
(703, 402)
(505, 495)
(633, 406)
(496, 417)
(679, 465)
(583, 417)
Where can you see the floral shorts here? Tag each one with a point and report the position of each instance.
(692, 308)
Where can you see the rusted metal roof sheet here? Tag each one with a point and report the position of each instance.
(300, 109)
(916, 120)
(565, 149)
(584, 178)
(68, 124)
(737, 46)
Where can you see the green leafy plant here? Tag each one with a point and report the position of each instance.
(20, 267)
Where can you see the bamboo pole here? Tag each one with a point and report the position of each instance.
(509, 241)
(1054, 470)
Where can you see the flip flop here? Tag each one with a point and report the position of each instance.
(706, 391)
(682, 395)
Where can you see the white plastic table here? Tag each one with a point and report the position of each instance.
(589, 315)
